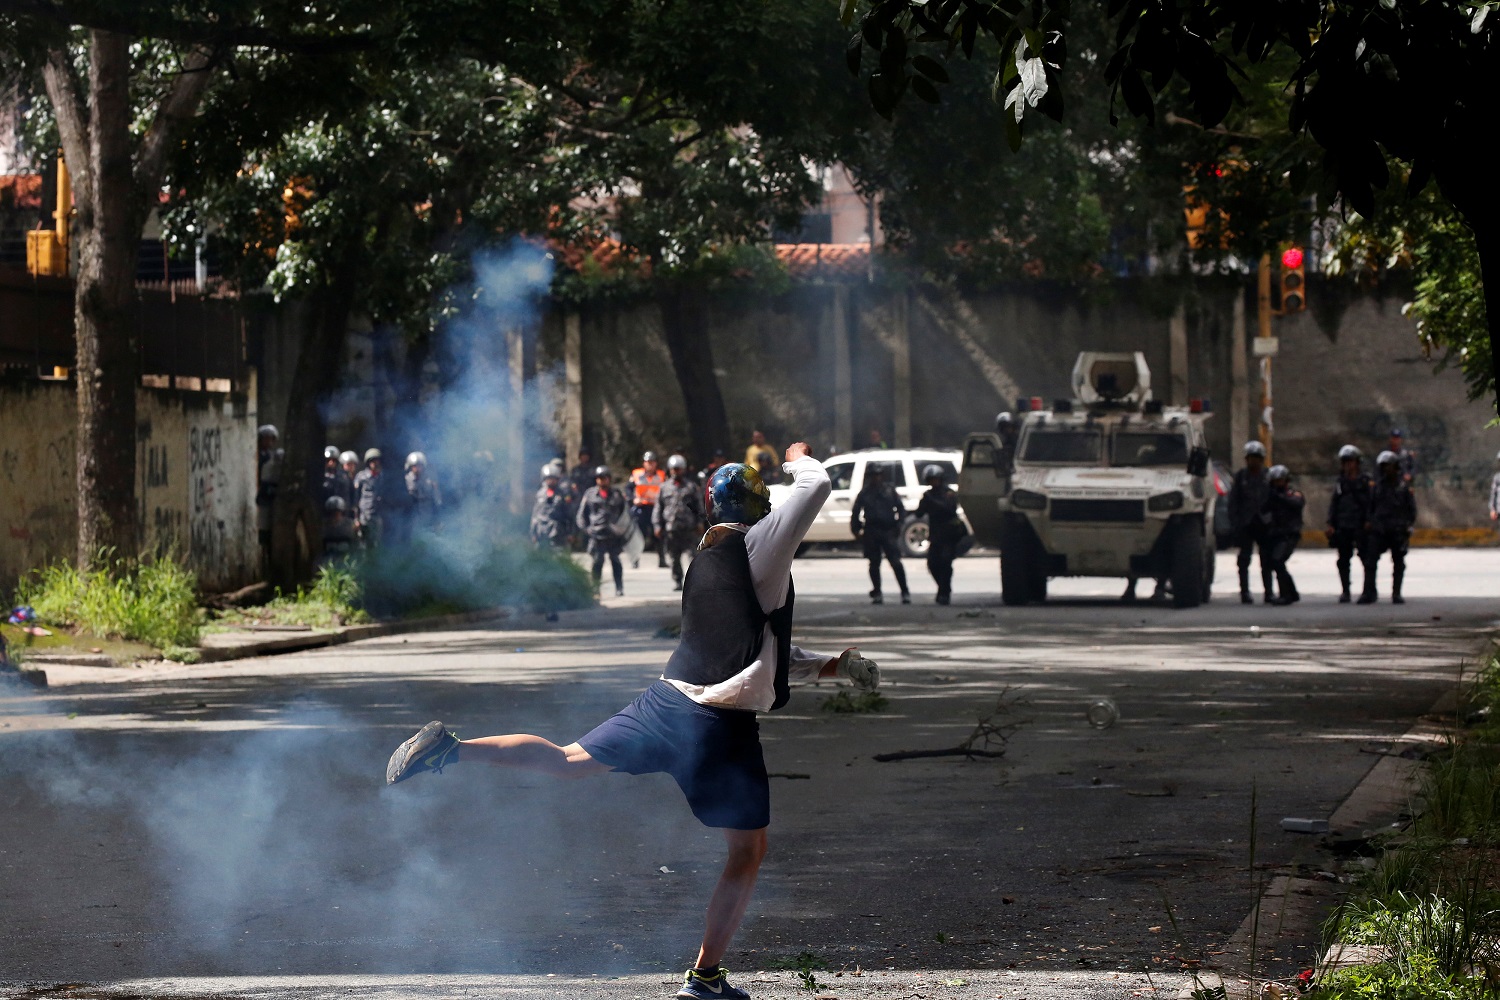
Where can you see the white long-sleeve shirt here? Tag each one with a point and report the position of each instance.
(771, 544)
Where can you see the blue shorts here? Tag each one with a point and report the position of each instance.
(713, 753)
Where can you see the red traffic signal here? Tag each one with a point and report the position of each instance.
(1293, 282)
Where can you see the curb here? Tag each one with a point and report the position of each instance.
(1423, 538)
(351, 633)
(1290, 907)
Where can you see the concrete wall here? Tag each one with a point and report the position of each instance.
(828, 363)
(195, 480)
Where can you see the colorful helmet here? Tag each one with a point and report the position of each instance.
(332, 451)
(934, 472)
(416, 458)
(1387, 458)
(348, 456)
(1349, 451)
(1255, 448)
(736, 495)
(371, 454)
(1279, 472)
(602, 472)
(677, 462)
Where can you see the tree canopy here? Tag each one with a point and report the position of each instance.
(1411, 80)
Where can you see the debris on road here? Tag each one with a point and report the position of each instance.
(1296, 824)
(1102, 713)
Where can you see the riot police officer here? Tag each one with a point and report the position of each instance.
(551, 516)
(1348, 510)
(678, 520)
(1283, 531)
(876, 521)
(423, 497)
(1248, 518)
(1393, 511)
(945, 529)
(599, 516)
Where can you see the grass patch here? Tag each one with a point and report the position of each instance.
(334, 598)
(153, 601)
(849, 702)
(453, 575)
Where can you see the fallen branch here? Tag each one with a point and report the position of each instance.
(958, 751)
(987, 733)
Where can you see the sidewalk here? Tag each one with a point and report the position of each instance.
(239, 644)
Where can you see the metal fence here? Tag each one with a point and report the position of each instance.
(188, 339)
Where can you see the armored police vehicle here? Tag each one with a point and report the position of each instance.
(1110, 483)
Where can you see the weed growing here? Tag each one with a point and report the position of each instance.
(1431, 904)
(153, 601)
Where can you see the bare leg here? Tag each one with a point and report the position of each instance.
(726, 908)
(533, 754)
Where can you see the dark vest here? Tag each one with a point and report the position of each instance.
(722, 622)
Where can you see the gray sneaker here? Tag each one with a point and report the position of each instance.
(432, 749)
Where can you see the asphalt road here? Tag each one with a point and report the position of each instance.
(222, 830)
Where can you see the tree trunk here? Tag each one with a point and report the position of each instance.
(108, 364)
(297, 517)
(684, 316)
(116, 181)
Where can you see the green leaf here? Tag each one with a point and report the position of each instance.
(1480, 13)
(1012, 131)
(846, 11)
(1136, 97)
(923, 88)
(930, 68)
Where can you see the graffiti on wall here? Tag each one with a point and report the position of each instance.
(42, 471)
(209, 490)
(1429, 437)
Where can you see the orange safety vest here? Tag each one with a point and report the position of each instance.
(647, 487)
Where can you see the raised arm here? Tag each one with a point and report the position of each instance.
(773, 541)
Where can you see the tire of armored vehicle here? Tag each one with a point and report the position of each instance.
(1186, 563)
(1191, 563)
(1023, 565)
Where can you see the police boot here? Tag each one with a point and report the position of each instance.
(1245, 597)
(1344, 580)
(1396, 577)
(1368, 597)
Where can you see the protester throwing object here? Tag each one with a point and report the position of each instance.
(697, 722)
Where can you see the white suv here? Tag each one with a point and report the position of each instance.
(903, 470)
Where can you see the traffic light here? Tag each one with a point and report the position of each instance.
(1293, 281)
